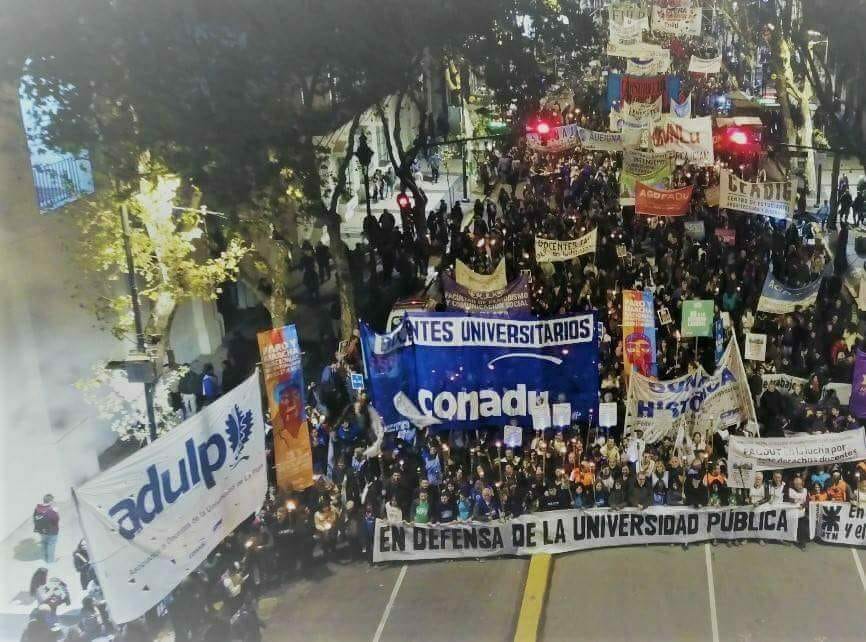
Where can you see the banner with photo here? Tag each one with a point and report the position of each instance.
(151, 519)
(284, 383)
(662, 202)
(857, 401)
(472, 280)
(643, 114)
(705, 65)
(778, 298)
(756, 347)
(645, 167)
(688, 138)
(600, 141)
(798, 451)
(548, 250)
(563, 531)
(677, 17)
(775, 200)
(697, 401)
(447, 370)
(838, 523)
(683, 109)
(512, 301)
(639, 333)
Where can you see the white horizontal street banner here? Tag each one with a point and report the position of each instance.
(649, 67)
(783, 382)
(697, 401)
(768, 199)
(644, 114)
(688, 138)
(838, 523)
(548, 250)
(636, 14)
(153, 518)
(677, 17)
(625, 37)
(769, 453)
(472, 280)
(705, 65)
(600, 141)
(578, 530)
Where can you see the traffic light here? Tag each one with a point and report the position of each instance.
(403, 201)
(738, 137)
(542, 128)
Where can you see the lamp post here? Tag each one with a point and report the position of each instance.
(365, 155)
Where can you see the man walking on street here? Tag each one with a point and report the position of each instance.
(46, 522)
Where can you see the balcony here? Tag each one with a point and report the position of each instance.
(61, 182)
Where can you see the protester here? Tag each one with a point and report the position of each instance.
(46, 523)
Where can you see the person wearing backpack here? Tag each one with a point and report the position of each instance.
(46, 522)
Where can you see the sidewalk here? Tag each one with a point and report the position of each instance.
(20, 556)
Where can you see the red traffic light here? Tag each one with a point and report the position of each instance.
(738, 137)
(403, 201)
(542, 128)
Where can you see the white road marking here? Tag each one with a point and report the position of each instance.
(390, 604)
(712, 590)
(859, 566)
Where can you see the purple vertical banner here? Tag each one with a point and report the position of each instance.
(857, 404)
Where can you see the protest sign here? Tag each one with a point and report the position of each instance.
(695, 230)
(561, 414)
(841, 390)
(150, 520)
(665, 316)
(576, 530)
(625, 32)
(644, 167)
(619, 12)
(512, 436)
(557, 140)
(683, 109)
(857, 402)
(553, 250)
(778, 298)
(783, 382)
(639, 333)
(697, 401)
(621, 251)
(650, 66)
(284, 383)
(446, 370)
(756, 347)
(662, 202)
(697, 320)
(705, 65)
(798, 451)
(855, 276)
(719, 338)
(601, 141)
(726, 235)
(468, 278)
(775, 200)
(643, 114)
(540, 414)
(357, 380)
(712, 196)
(690, 139)
(838, 523)
(679, 18)
(513, 300)
(607, 414)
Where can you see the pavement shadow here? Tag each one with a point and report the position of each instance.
(27, 550)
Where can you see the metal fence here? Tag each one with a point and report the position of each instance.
(62, 182)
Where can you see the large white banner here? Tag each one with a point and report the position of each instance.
(547, 250)
(697, 401)
(677, 17)
(626, 27)
(768, 199)
(767, 453)
(472, 280)
(688, 138)
(705, 65)
(577, 530)
(660, 64)
(644, 114)
(783, 382)
(838, 523)
(153, 518)
(602, 141)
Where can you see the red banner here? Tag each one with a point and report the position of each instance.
(650, 201)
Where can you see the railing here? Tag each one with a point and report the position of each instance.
(60, 183)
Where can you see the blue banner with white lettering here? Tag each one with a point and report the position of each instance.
(778, 298)
(447, 370)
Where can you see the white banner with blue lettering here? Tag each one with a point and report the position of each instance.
(778, 298)
(448, 370)
(153, 518)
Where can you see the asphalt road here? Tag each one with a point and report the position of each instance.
(749, 593)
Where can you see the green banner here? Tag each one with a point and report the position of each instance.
(650, 169)
(697, 318)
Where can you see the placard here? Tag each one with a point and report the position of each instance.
(665, 315)
(561, 414)
(549, 250)
(756, 347)
(512, 436)
(540, 417)
(607, 414)
(697, 318)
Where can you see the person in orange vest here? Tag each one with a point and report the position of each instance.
(838, 490)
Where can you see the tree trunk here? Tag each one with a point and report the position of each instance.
(345, 284)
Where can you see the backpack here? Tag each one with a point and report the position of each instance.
(41, 523)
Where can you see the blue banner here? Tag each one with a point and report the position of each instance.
(719, 335)
(778, 298)
(448, 370)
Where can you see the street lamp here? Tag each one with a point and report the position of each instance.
(365, 155)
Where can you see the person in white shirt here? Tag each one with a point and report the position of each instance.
(776, 489)
(758, 492)
(798, 496)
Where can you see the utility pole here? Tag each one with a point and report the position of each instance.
(149, 386)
